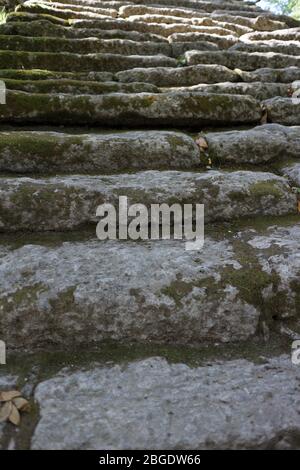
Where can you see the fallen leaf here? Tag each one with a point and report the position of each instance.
(14, 416)
(5, 411)
(21, 404)
(8, 396)
(264, 118)
(201, 142)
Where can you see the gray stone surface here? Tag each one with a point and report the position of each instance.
(77, 293)
(185, 76)
(292, 171)
(50, 152)
(259, 90)
(72, 62)
(283, 110)
(155, 405)
(68, 202)
(242, 60)
(270, 142)
(131, 110)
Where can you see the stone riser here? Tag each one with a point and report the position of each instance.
(68, 202)
(84, 292)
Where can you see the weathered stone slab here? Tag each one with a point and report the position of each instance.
(242, 60)
(282, 47)
(48, 29)
(291, 34)
(40, 8)
(80, 63)
(38, 75)
(282, 75)
(50, 152)
(84, 46)
(260, 23)
(182, 76)
(259, 90)
(271, 142)
(78, 87)
(283, 110)
(81, 292)
(64, 203)
(130, 110)
(292, 171)
(152, 404)
(223, 42)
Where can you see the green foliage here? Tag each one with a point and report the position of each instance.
(3, 16)
(287, 7)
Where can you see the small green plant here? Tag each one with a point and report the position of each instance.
(3, 16)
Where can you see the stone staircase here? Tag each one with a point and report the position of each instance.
(164, 101)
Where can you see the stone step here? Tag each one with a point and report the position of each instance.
(66, 13)
(46, 28)
(68, 6)
(213, 26)
(292, 172)
(57, 152)
(283, 110)
(262, 144)
(242, 60)
(282, 47)
(78, 87)
(162, 29)
(260, 23)
(291, 34)
(281, 75)
(64, 62)
(131, 110)
(38, 75)
(84, 46)
(29, 17)
(259, 90)
(68, 202)
(201, 5)
(74, 293)
(221, 399)
(103, 46)
(223, 42)
(181, 76)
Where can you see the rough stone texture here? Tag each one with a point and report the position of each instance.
(131, 110)
(49, 152)
(186, 76)
(260, 91)
(81, 87)
(292, 171)
(77, 62)
(74, 292)
(283, 75)
(151, 404)
(214, 70)
(283, 110)
(61, 203)
(242, 60)
(259, 145)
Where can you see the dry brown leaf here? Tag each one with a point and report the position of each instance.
(5, 411)
(14, 416)
(8, 396)
(21, 404)
(201, 142)
(264, 118)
